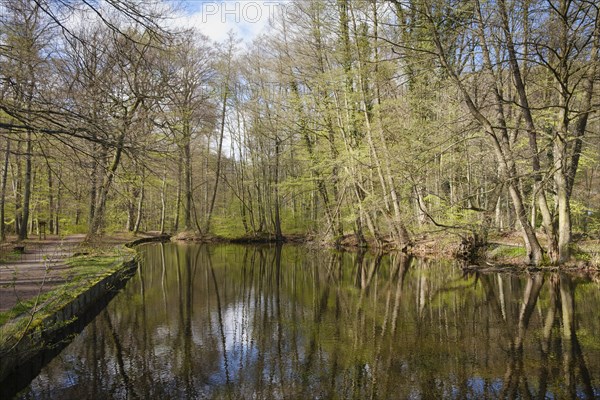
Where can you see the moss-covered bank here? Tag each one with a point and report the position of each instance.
(40, 324)
(37, 324)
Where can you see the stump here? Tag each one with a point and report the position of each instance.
(469, 247)
(42, 229)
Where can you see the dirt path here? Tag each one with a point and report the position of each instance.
(42, 266)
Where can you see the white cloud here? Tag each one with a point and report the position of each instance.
(214, 18)
(246, 18)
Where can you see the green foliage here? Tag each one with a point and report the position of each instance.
(8, 256)
(586, 219)
(456, 215)
(21, 308)
(227, 226)
(295, 224)
(508, 252)
(593, 223)
(68, 227)
(581, 255)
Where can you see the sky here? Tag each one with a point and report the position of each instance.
(246, 18)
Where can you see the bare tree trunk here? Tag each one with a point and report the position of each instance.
(98, 220)
(163, 201)
(219, 146)
(58, 203)
(187, 163)
(562, 200)
(278, 233)
(17, 185)
(178, 199)
(3, 190)
(140, 205)
(94, 182)
(132, 194)
(539, 191)
(50, 199)
(498, 214)
(27, 188)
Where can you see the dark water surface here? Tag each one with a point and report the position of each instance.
(239, 322)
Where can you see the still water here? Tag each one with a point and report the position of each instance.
(235, 322)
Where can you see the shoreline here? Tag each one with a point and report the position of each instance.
(501, 252)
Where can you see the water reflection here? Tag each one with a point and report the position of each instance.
(256, 322)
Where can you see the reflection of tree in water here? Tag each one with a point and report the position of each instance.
(558, 320)
(266, 322)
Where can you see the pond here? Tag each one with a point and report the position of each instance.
(235, 322)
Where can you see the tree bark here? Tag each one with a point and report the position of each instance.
(17, 186)
(98, 220)
(50, 199)
(538, 189)
(3, 190)
(140, 205)
(187, 163)
(163, 201)
(94, 182)
(219, 144)
(278, 233)
(177, 210)
(58, 203)
(27, 187)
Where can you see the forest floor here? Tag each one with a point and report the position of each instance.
(42, 264)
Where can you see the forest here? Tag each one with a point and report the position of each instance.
(383, 121)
